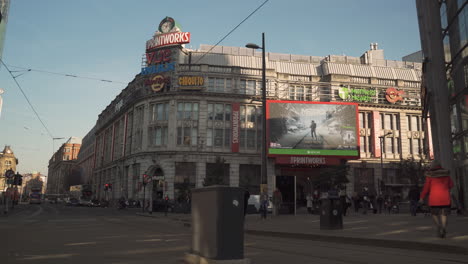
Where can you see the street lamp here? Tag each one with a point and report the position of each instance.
(53, 143)
(263, 175)
(381, 157)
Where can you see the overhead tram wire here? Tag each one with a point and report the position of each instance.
(27, 99)
(204, 54)
(63, 74)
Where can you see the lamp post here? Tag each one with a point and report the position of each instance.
(263, 175)
(381, 158)
(53, 143)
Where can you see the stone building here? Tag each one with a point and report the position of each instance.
(189, 107)
(7, 161)
(60, 174)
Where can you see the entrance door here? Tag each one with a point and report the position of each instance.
(285, 185)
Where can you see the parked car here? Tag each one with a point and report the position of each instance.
(93, 203)
(72, 202)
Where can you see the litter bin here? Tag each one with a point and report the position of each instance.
(218, 222)
(331, 214)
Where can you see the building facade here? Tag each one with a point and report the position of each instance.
(443, 27)
(189, 108)
(60, 174)
(8, 161)
(85, 159)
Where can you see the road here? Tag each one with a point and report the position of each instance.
(57, 234)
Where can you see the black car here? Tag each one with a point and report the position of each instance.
(73, 202)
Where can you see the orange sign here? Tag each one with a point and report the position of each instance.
(393, 95)
(191, 81)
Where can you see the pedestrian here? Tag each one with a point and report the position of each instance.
(365, 201)
(166, 205)
(438, 184)
(309, 199)
(344, 204)
(413, 197)
(356, 202)
(263, 205)
(380, 202)
(277, 201)
(246, 200)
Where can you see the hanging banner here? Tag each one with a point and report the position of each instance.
(235, 127)
(376, 127)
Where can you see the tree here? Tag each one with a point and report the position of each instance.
(332, 176)
(412, 170)
(215, 173)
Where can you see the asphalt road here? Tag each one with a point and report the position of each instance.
(56, 234)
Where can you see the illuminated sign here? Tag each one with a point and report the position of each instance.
(159, 56)
(158, 82)
(153, 69)
(312, 128)
(168, 34)
(357, 95)
(191, 81)
(393, 95)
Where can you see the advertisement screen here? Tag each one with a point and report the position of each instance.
(312, 128)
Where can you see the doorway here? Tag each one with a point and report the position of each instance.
(286, 185)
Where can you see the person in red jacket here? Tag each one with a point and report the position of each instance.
(438, 184)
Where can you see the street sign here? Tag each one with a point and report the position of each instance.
(9, 173)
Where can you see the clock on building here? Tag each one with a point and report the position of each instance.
(166, 25)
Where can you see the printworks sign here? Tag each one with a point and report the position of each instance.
(356, 94)
(168, 34)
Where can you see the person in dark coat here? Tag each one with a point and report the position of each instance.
(413, 197)
(246, 200)
(438, 184)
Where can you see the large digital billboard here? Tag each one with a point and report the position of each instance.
(312, 128)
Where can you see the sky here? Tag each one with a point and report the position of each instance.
(106, 39)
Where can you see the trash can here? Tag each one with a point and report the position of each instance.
(331, 214)
(218, 222)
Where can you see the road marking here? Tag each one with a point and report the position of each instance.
(355, 222)
(393, 232)
(460, 237)
(149, 240)
(357, 228)
(52, 256)
(81, 244)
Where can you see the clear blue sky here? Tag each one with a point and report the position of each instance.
(106, 39)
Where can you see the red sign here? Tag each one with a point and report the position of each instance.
(305, 160)
(235, 127)
(376, 126)
(159, 56)
(393, 95)
(168, 39)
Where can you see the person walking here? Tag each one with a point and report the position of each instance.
(309, 199)
(413, 196)
(313, 126)
(437, 186)
(263, 206)
(277, 201)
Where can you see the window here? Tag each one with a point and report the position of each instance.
(250, 87)
(128, 147)
(390, 121)
(185, 177)
(8, 163)
(415, 139)
(300, 93)
(66, 150)
(187, 111)
(219, 85)
(158, 136)
(159, 112)
(138, 136)
(214, 168)
(187, 136)
(251, 127)
(365, 119)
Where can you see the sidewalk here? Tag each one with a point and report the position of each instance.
(394, 231)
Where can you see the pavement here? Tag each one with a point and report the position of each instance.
(400, 231)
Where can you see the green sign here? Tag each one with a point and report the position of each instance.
(324, 152)
(356, 94)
